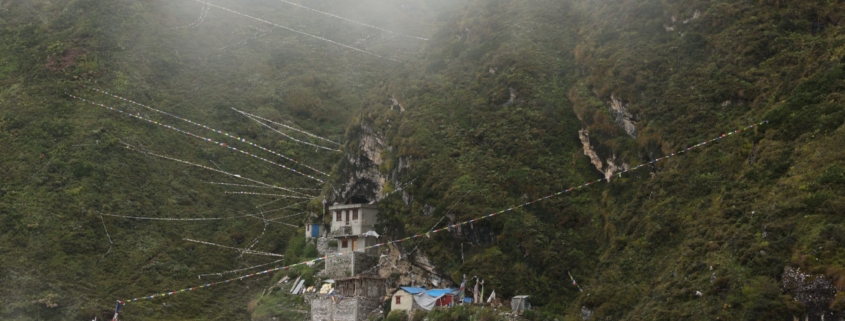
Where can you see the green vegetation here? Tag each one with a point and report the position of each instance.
(490, 112)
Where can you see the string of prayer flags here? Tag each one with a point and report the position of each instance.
(266, 194)
(238, 270)
(301, 32)
(198, 165)
(207, 285)
(448, 228)
(352, 21)
(290, 137)
(175, 218)
(257, 186)
(285, 126)
(275, 220)
(573, 282)
(222, 144)
(203, 14)
(264, 230)
(232, 136)
(235, 248)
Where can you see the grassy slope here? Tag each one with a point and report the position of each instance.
(62, 163)
(643, 245)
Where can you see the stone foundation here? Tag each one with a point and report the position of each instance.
(327, 308)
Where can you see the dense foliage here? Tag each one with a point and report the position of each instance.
(491, 109)
(62, 163)
(492, 112)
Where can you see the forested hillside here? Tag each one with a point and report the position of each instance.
(499, 109)
(64, 167)
(507, 102)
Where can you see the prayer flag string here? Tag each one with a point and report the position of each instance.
(177, 218)
(285, 126)
(200, 166)
(235, 248)
(352, 21)
(449, 227)
(301, 32)
(290, 137)
(238, 270)
(232, 136)
(221, 144)
(203, 14)
(266, 194)
(258, 186)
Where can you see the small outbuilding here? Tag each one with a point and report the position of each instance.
(520, 303)
(403, 298)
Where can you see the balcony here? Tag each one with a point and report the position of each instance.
(341, 231)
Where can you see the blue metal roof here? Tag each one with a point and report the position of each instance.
(436, 293)
(413, 290)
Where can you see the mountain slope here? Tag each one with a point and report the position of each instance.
(500, 108)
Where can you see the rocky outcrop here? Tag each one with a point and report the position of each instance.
(607, 168)
(816, 292)
(359, 171)
(623, 118)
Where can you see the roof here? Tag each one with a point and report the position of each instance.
(412, 290)
(347, 206)
(520, 297)
(440, 292)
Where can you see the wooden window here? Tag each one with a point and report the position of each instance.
(354, 215)
(347, 216)
(337, 214)
(344, 243)
(398, 299)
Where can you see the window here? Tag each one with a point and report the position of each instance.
(337, 214)
(343, 243)
(398, 299)
(354, 215)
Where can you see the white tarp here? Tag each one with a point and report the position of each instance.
(428, 299)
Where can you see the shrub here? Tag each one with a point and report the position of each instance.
(397, 315)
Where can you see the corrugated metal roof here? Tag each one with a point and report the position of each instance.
(436, 293)
(413, 290)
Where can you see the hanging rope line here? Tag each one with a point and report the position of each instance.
(220, 274)
(238, 185)
(290, 137)
(394, 191)
(276, 220)
(449, 227)
(302, 33)
(283, 208)
(176, 218)
(352, 21)
(258, 186)
(232, 136)
(235, 248)
(285, 126)
(266, 194)
(222, 144)
(270, 202)
(198, 165)
(203, 14)
(255, 241)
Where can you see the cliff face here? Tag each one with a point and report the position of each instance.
(513, 101)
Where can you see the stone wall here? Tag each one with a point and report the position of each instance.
(326, 308)
(323, 247)
(349, 264)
